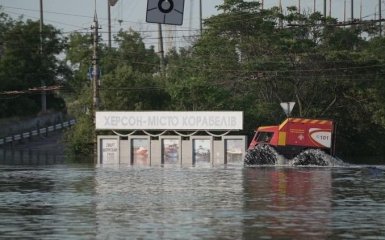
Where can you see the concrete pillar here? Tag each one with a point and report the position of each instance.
(187, 156)
(156, 153)
(125, 149)
(218, 152)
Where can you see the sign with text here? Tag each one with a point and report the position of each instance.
(110, 151)
(204, 120)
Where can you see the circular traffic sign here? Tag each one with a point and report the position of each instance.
(166, 6)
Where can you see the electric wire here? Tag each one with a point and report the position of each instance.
(217, 84)
(264, 71)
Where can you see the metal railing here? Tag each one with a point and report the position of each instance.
(36, 132)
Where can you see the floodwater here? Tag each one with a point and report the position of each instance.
(64, 201)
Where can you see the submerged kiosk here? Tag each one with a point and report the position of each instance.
(170, 138)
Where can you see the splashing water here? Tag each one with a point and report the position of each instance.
(315, 157)
(264, 154)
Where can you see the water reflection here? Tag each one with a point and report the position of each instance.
(46, 203)
(359, 203)
(9, 156)
(169, 203)
(287, 203)
(227, 202)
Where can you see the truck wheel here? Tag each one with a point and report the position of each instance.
(311, 157)
(262, 154)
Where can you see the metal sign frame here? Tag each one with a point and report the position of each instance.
(165, 11)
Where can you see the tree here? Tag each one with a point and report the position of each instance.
(126, 89)
(78, 52)
(22, 66)
(252, 59)
(263, 57)
(128, 82)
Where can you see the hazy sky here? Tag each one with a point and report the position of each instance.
(77, 15)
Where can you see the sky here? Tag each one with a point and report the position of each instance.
(77, 15)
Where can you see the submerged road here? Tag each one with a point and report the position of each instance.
(40, 150)
(53, 142)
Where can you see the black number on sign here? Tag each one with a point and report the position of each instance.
(165, 6)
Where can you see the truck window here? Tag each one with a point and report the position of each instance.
(264, 136)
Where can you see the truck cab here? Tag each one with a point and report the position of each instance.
(265, 135)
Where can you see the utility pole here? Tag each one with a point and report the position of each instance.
(330, 8)
(200, 16)
(361, 10)
(325, 9)
(95, 78)
(352, 10)
(314, 6)
(281, 10)
(299, 6)
(109, 23)
(161, 50)
(95, 66)
(380, 16)
(110, 4)
(43, 94)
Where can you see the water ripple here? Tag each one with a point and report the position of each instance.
(124, 202)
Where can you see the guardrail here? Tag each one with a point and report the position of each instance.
(37, 132)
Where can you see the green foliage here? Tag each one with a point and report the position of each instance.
(248, 59)
(80, 138)
(127, 83)
(78, 55)
(126, 89)
(22, 66)
(252, 59)
(132, 51)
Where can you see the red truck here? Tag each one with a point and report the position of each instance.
(291, 138)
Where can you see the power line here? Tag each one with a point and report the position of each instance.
(178, 37)
(47, 20)
(336, 77)
(68, 14)
(340, 24)
(33, 90)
